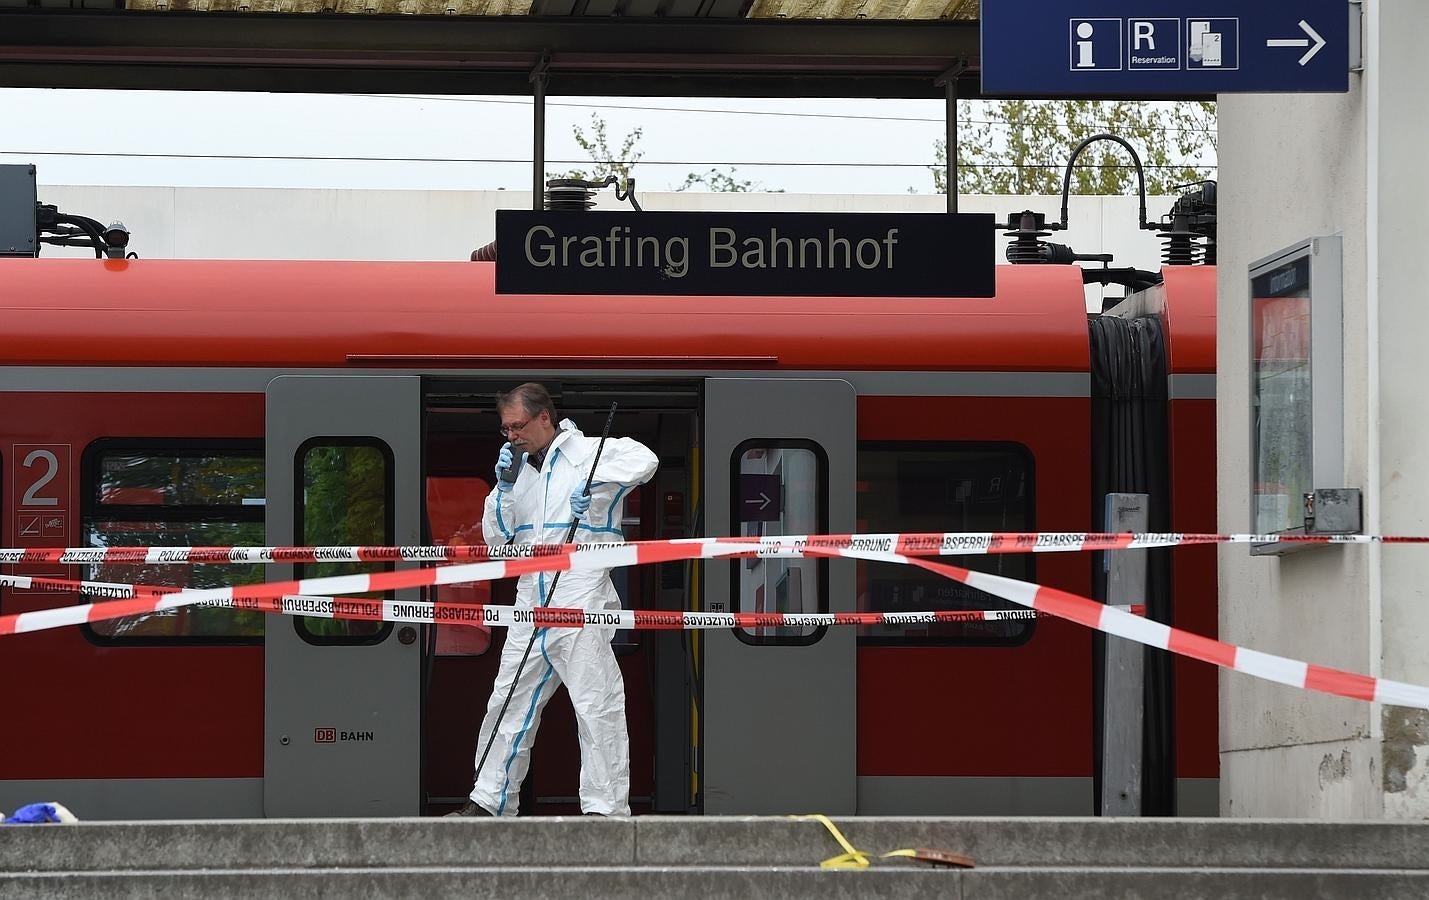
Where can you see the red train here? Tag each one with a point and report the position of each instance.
(201, 402)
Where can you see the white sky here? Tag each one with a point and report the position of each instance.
(694, 134)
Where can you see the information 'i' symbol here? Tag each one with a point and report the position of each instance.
(1084, 46)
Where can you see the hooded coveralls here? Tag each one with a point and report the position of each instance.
(537, 510)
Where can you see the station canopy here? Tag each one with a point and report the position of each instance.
(731, 48)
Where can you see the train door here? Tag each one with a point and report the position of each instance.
(779, 703)
(460, 444)
(342, 714)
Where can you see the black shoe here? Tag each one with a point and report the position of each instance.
(472, 808)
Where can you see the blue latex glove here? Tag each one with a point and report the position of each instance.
(37, 813)
(504, 460)
(580, 502)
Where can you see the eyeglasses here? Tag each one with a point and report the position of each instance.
(515, 427)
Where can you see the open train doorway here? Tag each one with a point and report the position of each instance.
(460, 443)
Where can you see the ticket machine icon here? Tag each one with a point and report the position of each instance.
(1205, 48)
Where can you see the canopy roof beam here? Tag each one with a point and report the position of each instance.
(608, 56)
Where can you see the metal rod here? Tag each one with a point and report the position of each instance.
(951, 124)
(949, 81)
(538, 130)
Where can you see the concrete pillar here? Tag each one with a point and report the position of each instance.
(1291, 167)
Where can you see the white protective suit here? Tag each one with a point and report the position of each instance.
(537, 510)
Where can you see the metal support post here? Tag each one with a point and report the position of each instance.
(539, 76)
(1123, 697)
(949, 81)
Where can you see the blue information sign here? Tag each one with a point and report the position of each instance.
(1119, 48)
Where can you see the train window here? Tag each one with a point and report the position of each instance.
(942, 487)
(186, 479)
(347, 500)
(179, 493)
(782, 488)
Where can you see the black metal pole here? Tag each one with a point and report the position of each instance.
(538, 129)
(951, 125)
(949, 81)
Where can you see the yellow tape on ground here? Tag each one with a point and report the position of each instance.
(851, 858)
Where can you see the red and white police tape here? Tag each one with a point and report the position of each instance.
(964, 543)
(476, 614)
(1110, 620)
(1041, 599)
(139, 599)
(482, 614)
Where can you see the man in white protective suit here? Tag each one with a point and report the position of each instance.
(552, 463)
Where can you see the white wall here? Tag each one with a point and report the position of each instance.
(1398, 285)
(242, 223)
(1292, 167)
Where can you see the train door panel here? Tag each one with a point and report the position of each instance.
(342, 711)
(779, 710)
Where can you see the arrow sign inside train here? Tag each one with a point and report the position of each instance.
(759, 497)
(1117, 48)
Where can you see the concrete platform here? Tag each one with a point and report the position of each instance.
(592, 859)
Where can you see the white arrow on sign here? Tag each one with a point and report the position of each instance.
(767, 500)
(1301, 42)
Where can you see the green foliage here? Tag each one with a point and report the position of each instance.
(717, 181)
(178, 480)
(344, 503)
(1022, 146)
(714, 180)
(344, 496)
(160, 483)
(604, 161)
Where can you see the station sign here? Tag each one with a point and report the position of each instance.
(745, 254)
(1129, 48)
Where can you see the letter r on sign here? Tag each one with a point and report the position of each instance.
(1143, 34)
